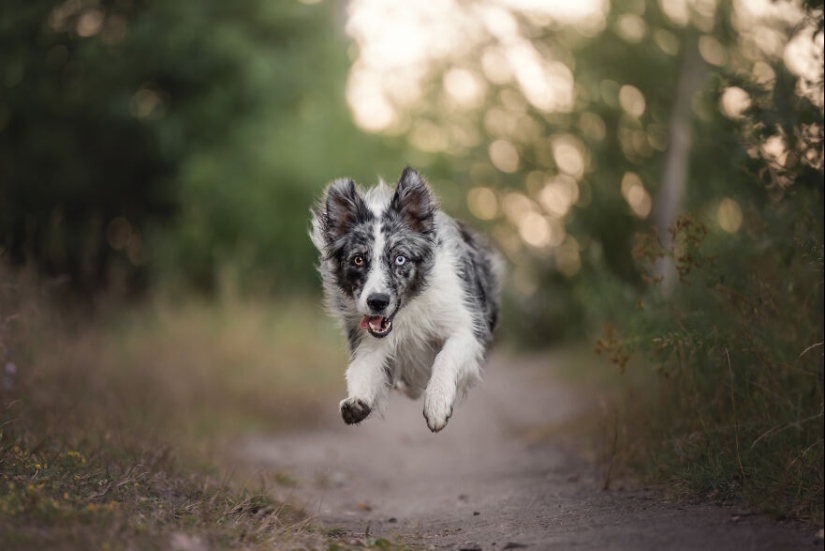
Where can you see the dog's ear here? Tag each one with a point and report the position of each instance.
(413, 201)
(344, 207)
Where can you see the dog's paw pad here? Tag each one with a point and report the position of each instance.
(438, 404)
(437, 415)
(354, 410)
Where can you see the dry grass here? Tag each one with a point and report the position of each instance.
(114, 423)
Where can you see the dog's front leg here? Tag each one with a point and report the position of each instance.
(367, 384)
(457, 362)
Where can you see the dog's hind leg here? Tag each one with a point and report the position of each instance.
(368, 385)
(456, 366)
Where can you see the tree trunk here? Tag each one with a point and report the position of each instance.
(671, 194)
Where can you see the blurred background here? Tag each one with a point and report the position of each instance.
(150, 146)
(651, 169)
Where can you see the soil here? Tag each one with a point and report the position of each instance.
(488, 482)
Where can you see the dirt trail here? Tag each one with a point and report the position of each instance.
(482, 484)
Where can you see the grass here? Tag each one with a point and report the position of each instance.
(722, 392)
(116, 498)
(116, 427)
(666, 432)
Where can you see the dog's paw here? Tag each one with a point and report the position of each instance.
(438, 408)
(354, 410)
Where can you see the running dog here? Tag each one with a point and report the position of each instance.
(417, 293)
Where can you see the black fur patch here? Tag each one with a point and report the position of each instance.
(344, 209)
(354, 336)
(358, 242)
(480, 281)
(354, 412)
(413, 202)
(348, 231)
(408, 226)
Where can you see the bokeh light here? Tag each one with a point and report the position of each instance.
(734, 102)
(504, 156)
(568, 152)
(559, 194)
(729, 215)
(535, 230)
(567, 256)
(712, 50)
(483, 203)
(400, 44)
(632, 100)
(517, 206)
(637, 197)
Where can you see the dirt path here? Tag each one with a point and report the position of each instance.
(481, 483)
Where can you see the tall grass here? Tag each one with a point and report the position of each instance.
(735, 409)
(115, 423)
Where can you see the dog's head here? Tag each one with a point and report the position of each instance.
(378, 246)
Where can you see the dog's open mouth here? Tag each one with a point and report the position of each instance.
(378, 326)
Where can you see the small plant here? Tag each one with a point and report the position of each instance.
(614, 348)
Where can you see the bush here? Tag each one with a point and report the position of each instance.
(737, 410)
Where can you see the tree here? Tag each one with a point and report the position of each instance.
(169, 139)
(569, 123)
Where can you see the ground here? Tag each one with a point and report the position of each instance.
(488, 482)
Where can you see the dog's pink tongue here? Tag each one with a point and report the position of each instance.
(366, 321)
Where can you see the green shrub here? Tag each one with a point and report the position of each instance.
(737, 409)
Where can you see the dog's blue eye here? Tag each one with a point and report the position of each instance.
(400, 260)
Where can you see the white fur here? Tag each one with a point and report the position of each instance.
(377, 278)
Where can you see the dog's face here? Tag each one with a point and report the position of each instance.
(382, 251)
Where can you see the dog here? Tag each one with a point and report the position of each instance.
(416, 291)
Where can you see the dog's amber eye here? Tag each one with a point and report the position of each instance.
(358, 260)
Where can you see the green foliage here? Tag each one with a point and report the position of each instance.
(171, 138)
(639, 84)
(737, 412)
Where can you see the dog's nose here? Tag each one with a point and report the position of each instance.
(378, 301)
